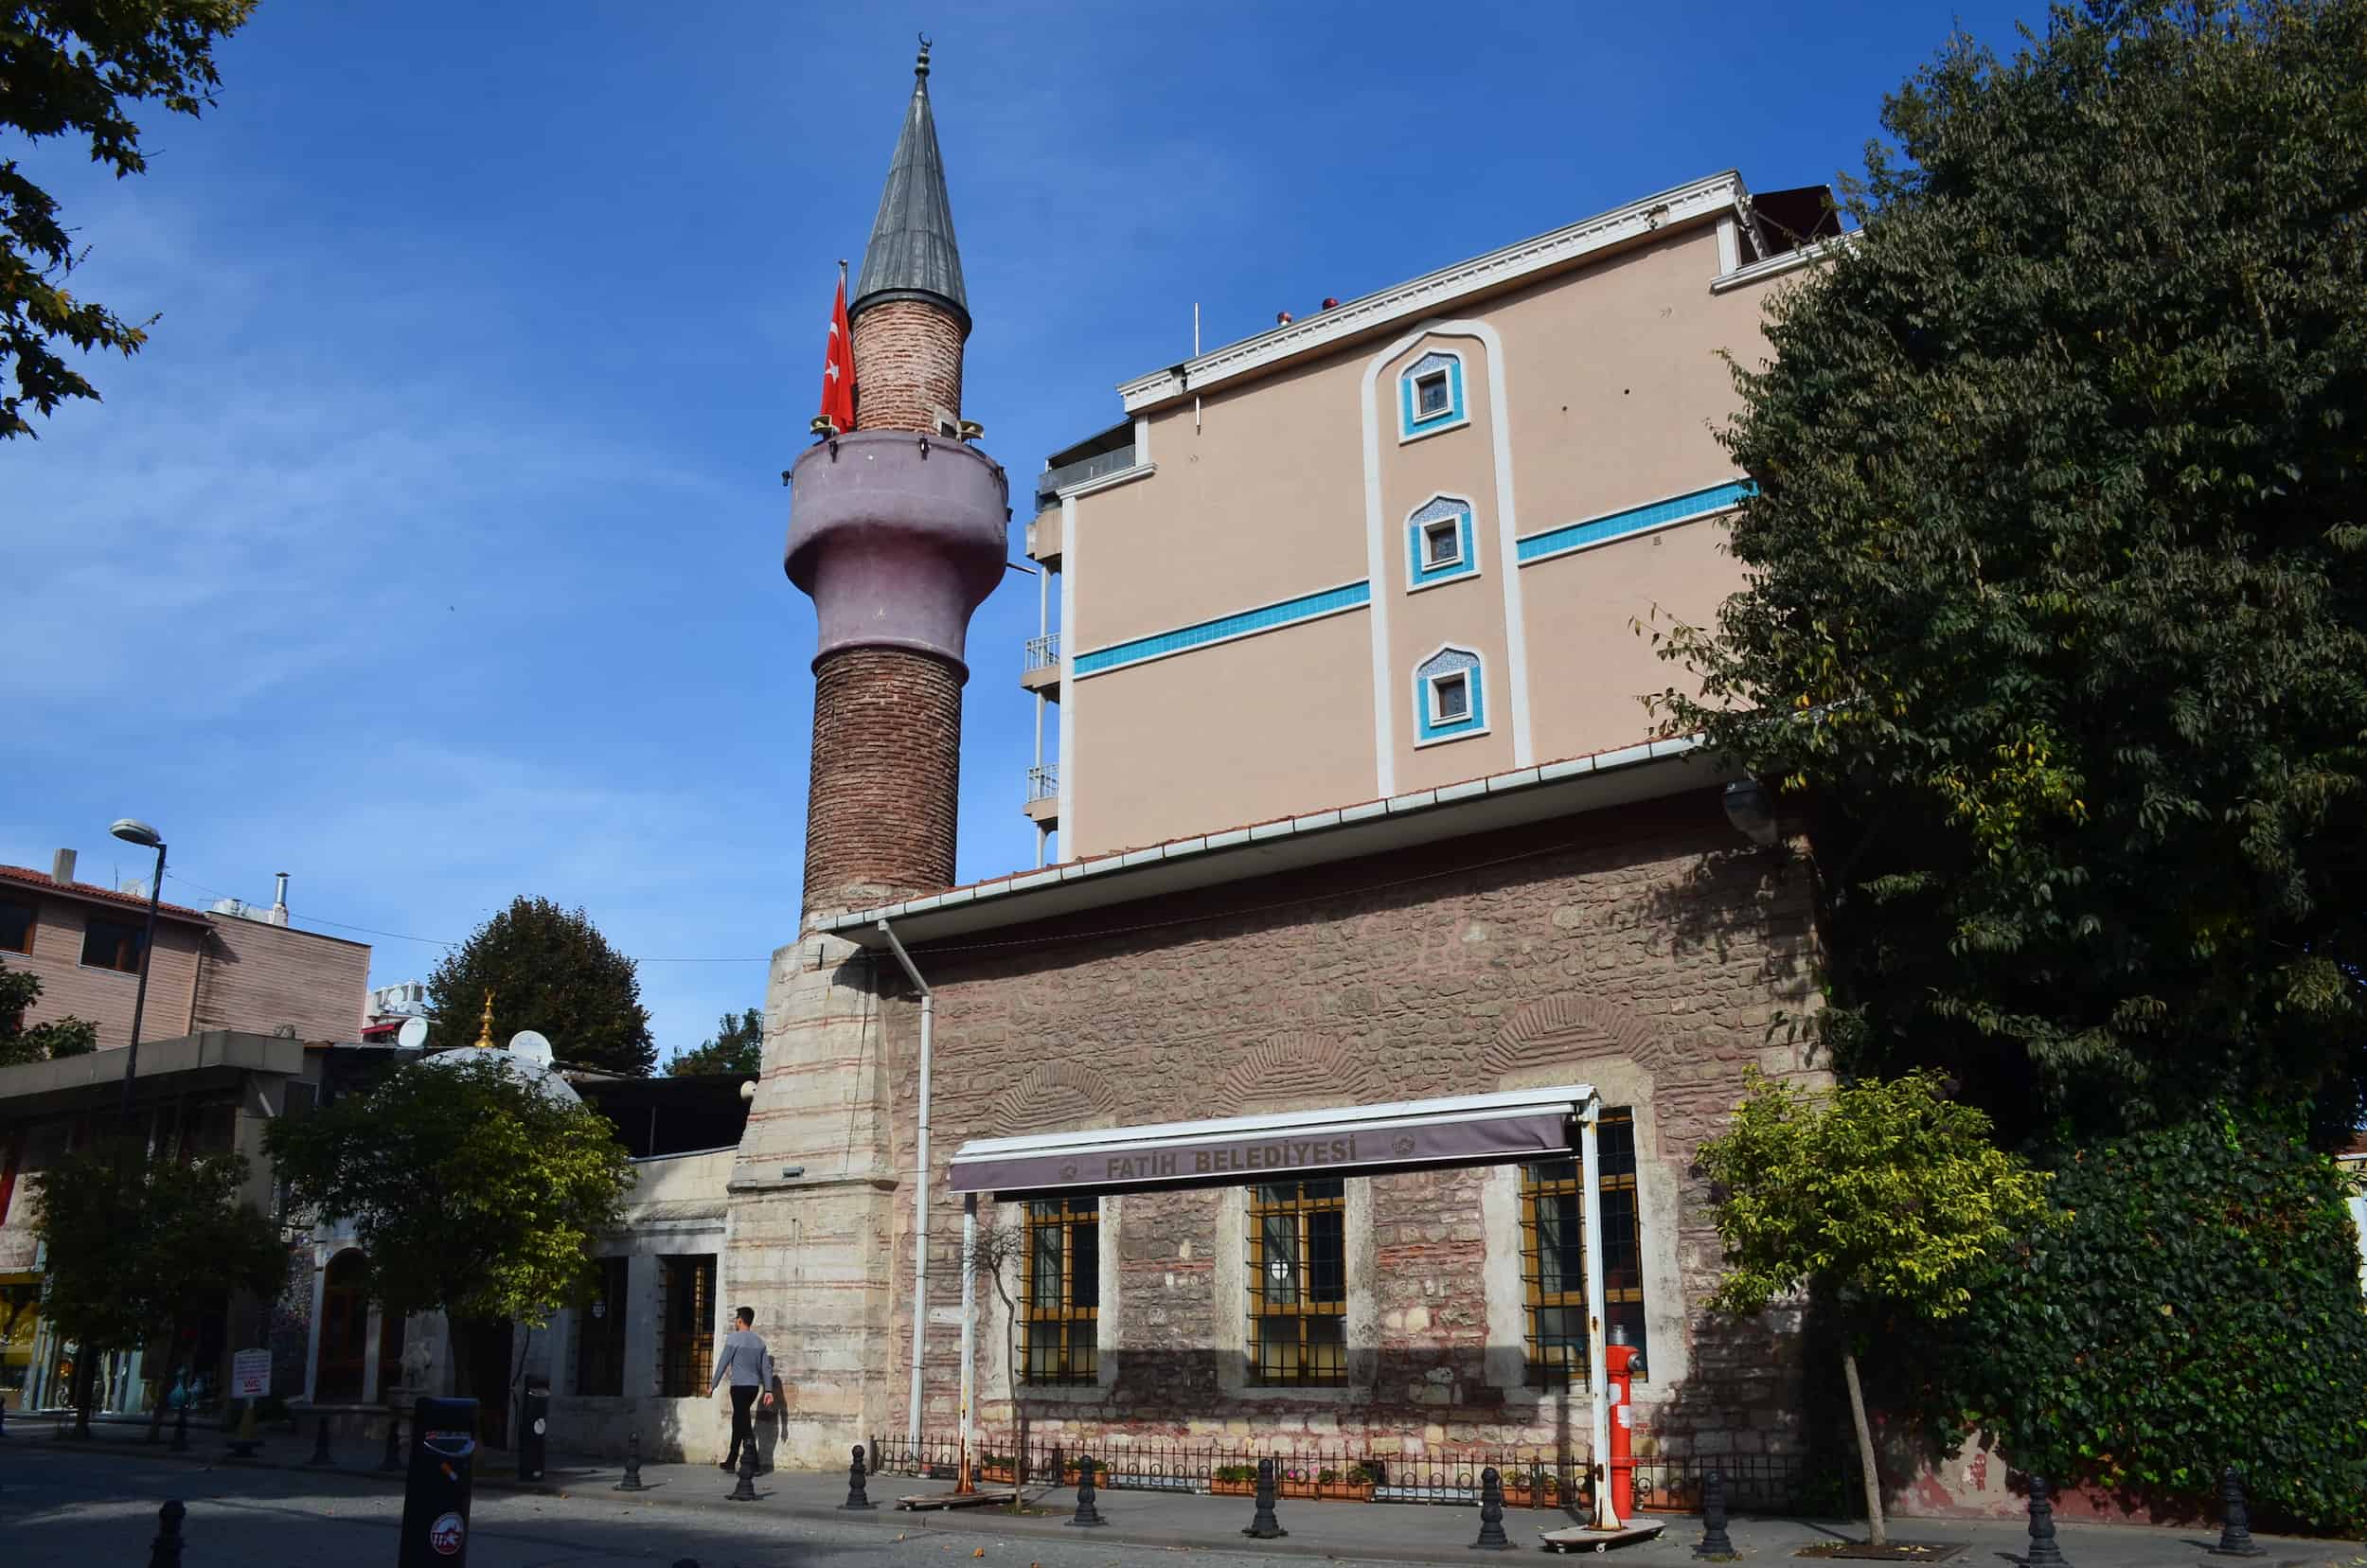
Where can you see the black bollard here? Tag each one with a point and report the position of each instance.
(2235, 1532)
(4, 1417)
(1262, 1524)
(181, 1427)
(1715, 1542)
(392, 1460)
(632, 1465)
(1491, 1536)
(746, 1490)
(1087, 1514)
(856, 1496)
(320, 1448)
(166, 1551)
(2043, 1552)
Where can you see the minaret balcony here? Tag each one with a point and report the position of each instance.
(897, 536)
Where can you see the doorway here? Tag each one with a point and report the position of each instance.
(345, 1331)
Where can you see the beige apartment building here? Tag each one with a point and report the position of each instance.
(1406, 541)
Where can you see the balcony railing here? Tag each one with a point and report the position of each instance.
(1043, 783)
(1051, 481)
(1044, 652)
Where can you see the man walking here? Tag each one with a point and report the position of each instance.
(749, 1365)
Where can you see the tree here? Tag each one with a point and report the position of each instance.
(75, 68)
(2056, 618)
(473, 1189)
(738, 1047)
(1883, 1197)
(60, 1037)
(2097, 1351)
(546, 969)
(994, 1254)
(134, 1247)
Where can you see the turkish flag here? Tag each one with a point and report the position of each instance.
(838, 367)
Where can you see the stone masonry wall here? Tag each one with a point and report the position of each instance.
(880, 814)
(908, 365)
(1646, 950)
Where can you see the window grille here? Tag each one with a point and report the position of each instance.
(1553, 1253)
(1298, 1282)
(1062, 1308)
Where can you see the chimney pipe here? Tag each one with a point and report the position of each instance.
(62, 867)
(279, 900)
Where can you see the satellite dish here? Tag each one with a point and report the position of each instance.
(412, 1034)
(529, 1044)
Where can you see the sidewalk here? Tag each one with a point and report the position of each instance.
(1348, 1531)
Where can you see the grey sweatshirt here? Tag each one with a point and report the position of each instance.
(745, 1363)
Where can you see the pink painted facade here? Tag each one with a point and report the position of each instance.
(1247, 566)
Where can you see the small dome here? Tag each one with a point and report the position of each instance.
(535, 1075)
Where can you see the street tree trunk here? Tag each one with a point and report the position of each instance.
(1876, 1535)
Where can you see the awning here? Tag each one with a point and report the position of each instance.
(1361, 1140)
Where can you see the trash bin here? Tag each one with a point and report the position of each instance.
(437, 1484)
(534, 1413)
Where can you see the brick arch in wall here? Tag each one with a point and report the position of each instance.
(1295, 1070)
(1053, 1096)
(1572, 1027)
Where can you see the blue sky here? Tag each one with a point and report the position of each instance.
(430, 551)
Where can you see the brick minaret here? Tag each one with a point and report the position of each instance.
(896, 530)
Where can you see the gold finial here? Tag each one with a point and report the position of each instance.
(485, 1030)
(920, 66)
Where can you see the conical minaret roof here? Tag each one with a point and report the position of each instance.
(912, 254)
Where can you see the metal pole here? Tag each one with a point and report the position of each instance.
(969, 1319)
(920, 1182)
(1597, 1366)
(140, 997)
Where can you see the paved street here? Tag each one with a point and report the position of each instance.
(72, 1508)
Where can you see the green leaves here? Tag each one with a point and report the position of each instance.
(75, 67)
(130, 1244)
(2193, 1302)
(2055, 627)
(1887, 1192)
(546, 969)
(737, 1047)
(471, 1191)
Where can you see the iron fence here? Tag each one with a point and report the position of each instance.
(1345, 1472)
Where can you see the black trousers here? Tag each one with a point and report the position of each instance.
(743, 1429)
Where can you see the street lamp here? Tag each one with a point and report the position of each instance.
(132, 830)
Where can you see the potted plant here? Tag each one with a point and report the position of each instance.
(1355, 1485)
(1233, 1481)
(1295, 1482)
(995, 1467)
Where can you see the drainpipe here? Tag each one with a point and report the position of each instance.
(920, 1185)
(1597, 1368)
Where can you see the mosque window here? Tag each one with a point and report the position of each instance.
(600, 1332)
(1553, 1253)
(1298, 1282)
(1429, 396)
(685, 1349)
(1439, 543)
(1063, 1291)
(1450, 697)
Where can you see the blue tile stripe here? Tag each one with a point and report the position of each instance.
(1676, 509)
(1264, 619)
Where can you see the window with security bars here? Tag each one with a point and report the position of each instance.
(1298, 1282)
(685, 1349)
(1553, 1253)
(600, 1330)
(1064, 1297)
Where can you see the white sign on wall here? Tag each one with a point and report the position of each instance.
(250, 1373)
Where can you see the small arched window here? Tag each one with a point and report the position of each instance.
(1440, 543)
(1429, 396)
(1450, 697)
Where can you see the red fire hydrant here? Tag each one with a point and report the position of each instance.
(1621, 1360)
